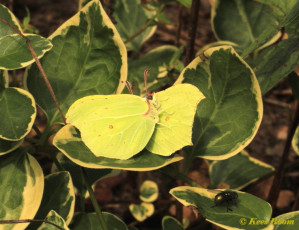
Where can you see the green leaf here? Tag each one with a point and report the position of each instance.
(186, 3)
(4, 79)
(286, 13)
(82, 3)
(26, 19)
(8, 16)
(158, 61)
(22, 185)
(295, 141)
(216, 44)
(76, 174)
(59, 196)
(90, 221)
(15, 54)
(54, 218)
(263, 40)
(9, 146)
(278, 61)
(148, 191)
(142, 211)
(69, 142)
(17, 113)
(131, 16)
(241, 21)
(247, 206)
(284, 10)
(88, 57)
(170, 223)
(285, 221)
(238, 171)
(228, 118)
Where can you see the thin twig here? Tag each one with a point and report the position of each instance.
(39, 66)
(143, 28)
(29, 221)
(148, 23)
(192, 32)
(276, 185)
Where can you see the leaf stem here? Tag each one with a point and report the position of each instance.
(94, 200)
(39, 66)
(44, 135)
(276, 185)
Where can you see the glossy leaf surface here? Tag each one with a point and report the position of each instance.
(22, 186)
(88, 57)
(245, 206)
(69, 142)
(228, 118)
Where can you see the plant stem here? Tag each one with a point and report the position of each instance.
(276, 185)
(94, 200)
(192, 31)
(143, 28)
(36, 130)
(178, 32)
(28, 221)
(56, 162)
(43, 138)
(39, 66)
(81, 202)
(188, 162)
(14, 78)
(188, 180)
(175, 174)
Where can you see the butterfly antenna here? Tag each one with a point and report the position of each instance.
(145, 82)
(148, 94)
(129, 86)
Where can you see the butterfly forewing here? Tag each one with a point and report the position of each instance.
(113, 126)
(176, 108)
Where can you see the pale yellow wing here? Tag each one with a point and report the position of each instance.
(176, 108)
